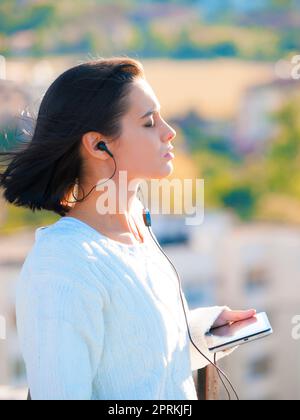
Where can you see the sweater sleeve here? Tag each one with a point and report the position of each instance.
(200, 322)
(61, 331)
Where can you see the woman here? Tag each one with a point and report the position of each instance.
(98, 309)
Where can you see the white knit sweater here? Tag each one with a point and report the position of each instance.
(102, 320)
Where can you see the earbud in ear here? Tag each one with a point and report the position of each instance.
(102, 146)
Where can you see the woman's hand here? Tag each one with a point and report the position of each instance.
(228, 316)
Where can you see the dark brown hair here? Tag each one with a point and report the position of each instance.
(89, 97)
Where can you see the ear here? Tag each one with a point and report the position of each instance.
(89, 143)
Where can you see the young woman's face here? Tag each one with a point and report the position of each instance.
(145, 139)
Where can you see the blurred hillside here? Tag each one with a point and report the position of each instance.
(232, 110)
(249, 158)
(260, 30)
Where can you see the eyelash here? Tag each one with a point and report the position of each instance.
(149, 126)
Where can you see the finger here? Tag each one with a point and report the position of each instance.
(231, 350)
(240, 315)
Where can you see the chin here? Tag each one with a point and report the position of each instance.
(167, 170)
(163, 172)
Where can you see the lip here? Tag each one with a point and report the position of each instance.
(169, 155)
(169, 150)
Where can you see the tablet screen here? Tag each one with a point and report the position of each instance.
(238, 331)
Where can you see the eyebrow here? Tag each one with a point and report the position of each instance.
(150, 113)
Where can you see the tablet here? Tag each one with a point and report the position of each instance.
(237, 333)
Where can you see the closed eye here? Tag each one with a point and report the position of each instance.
(149, 125)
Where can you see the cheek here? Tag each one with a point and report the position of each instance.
(140, 150)
(150, 140)
(145, 143)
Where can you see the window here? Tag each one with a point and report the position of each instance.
(257, 279)
(260, 367)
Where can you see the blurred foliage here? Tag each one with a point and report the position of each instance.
(70, 27)
(19, 219)
(14, 17)
(261, 186)
(283, 157)
(248, 185)
(8, 137)
(228, 184)
(256, 186)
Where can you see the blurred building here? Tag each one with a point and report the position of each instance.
(249, 266)
(13, 99)
(221, 262)
(254, 126)
(13, 251)
(260, 268)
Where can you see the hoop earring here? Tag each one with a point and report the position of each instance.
(77, 186)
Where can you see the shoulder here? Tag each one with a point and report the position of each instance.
(67, 241)
(58, 244)
(60, 264)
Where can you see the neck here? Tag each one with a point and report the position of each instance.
(99, 212)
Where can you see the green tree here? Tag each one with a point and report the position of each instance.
(14, 18)
(283, 157)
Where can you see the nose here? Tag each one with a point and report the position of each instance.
(171, 134)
